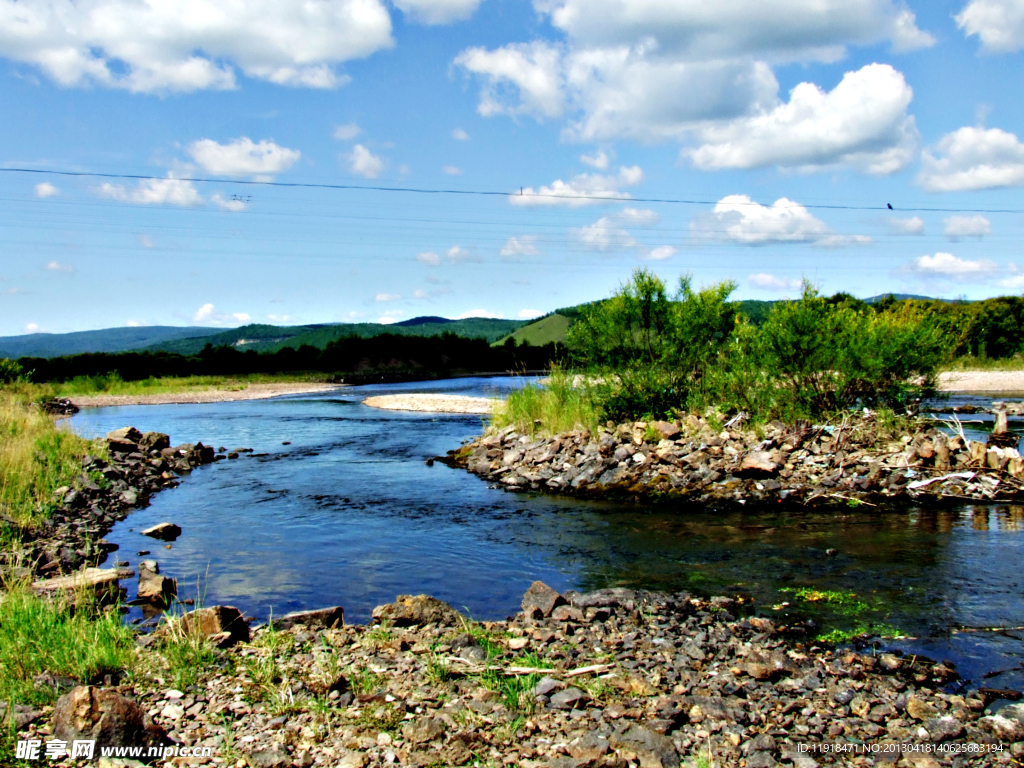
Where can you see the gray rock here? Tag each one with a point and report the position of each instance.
(163, 531)
(540, 600)
(761, 760)
(545, 686)
(942, 728)
(321, 617)
(269, 758)
(652, 750)
(423, 730)
(567, 698)
(410, 611)
(111, 719)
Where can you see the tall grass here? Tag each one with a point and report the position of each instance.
(562, 405)
(36, 457)
(45, 635)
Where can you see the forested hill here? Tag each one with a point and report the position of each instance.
(122, 339)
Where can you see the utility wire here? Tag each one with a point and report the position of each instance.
(492, 193)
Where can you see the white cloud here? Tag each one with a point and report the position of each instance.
(133, 324)
(534, 69)
(637, 216)
(973, 158)
(419, 293)
(603, 235)
(382, 297)
(769, 282)
(146, 242)
(998, 23)
(660, 253)
(347, 132)
(457, 255)
(949, 266)
(460, 135)
(437, 11)
(1015, 283)
(280, 318)
(55, 266)
(862, 123)
(480, 313)
(387, 320)
(166, 46)
(451, 170)
(241, 317)
(169, 191)
(912, 226)
(207, 314)
(598, 160)
(580, 190)
(429, 257)
(31, 328)
(956, 227)
(242, 157)
(737, 219)
(46, 189)
(228, 204)
(529, 314)
(362, 162)
(524, 245)
(204, 314)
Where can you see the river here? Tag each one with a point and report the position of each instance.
(337, 506)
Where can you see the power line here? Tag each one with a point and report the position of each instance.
(493, 193)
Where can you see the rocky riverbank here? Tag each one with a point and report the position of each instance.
(697, 460)
(607, 679)
(136, 466)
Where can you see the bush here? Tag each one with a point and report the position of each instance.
(10, 371)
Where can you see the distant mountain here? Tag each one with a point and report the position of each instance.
(906, 297)
(426, 319)
(103, 340)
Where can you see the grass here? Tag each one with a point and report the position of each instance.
(968, 363)
(846, 603)
(36, 458)
(38, 635)
(516, 690)
(365, 681)
(112, 384)
(557, 407)
(840, 636)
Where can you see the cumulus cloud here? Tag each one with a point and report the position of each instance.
(912, 226)
(458, 255)
(480, 313)
(46, 189)
(862, 122)
(524, 245)
(241, 317)
(384, 297)
(31, 328)
(347, 132)
(949, 266)
(528, 314)
(973, 158)
(451, 170)
(437, 11)
(133, 324)
(280, 318)
(242, 157)
(605, 234)
(232, 204)
(738, 219)
(207, 314)
(146, 241)
(362, 162)
(999, 24)
(660, 253)
(582, 189)
(534, 70)
(460, 135)
(957, 227)
(165, 46)
(598, 160)
(429, 257)
(388, 320)
(169, 191)
(769, 282)
(56, 266)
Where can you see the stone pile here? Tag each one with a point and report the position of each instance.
(609, 679)
(691, 460)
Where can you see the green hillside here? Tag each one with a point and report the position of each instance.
(271, 338)
(547, 329)
(121, 339)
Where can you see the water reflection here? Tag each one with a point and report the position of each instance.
(348, 513)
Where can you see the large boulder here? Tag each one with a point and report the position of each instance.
(411, 611)
(223, 625)
(154, 588)
(128, 434)
(163, 531)
(155, 441)
(321, 617)
(87, 712)
(540, 600)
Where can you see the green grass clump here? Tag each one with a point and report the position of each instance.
(840, 636)
(516, 690)
(40, 635)
(842, 602)
(561, 405)
(36, 458)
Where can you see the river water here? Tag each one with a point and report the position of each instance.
(338, 507)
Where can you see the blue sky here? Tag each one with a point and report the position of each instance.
(789, 126)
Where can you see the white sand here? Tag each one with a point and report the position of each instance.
(433, 403)
(1005, 382)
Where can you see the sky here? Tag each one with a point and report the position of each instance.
(224, 162)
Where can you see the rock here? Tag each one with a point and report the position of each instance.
(761, 760)
(518, 643)
(269, 758)
(130, 497)
(423, 730)
(163, 531)
(411, 611)
(57, 683)
(567, 613)
(591, 747)
(943, 728)
(321, 617)
(545, 686)
(1003, 728)
(154, 588)
(101, 580)
(566, 699)
(129, 434)
(615, 597)
(666, 429)
(540, 600)
(87, 712)
(154, 441)
(223, 622)
(652, 750)
(758, 463)
(920, 709)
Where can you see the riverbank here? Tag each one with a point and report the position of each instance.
(861, 460)
(1004, 382)
(434, 403)
(257, 391)
(607, 679)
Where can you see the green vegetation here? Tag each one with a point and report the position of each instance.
(841, 636)
(847, 603)
(547, 330)
(559, 406)
(516, 690)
